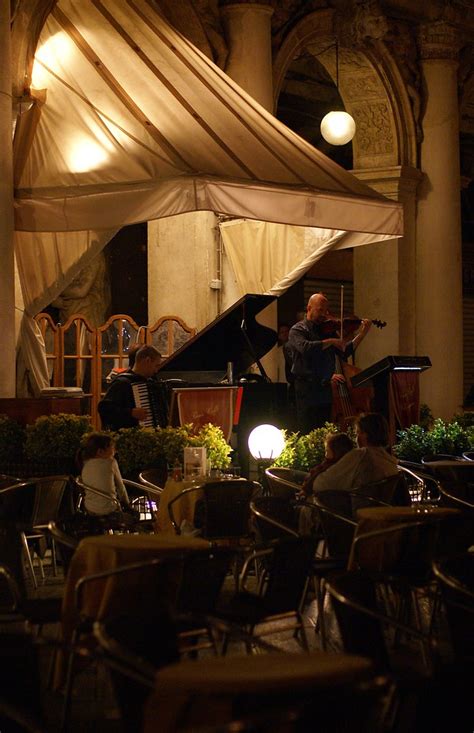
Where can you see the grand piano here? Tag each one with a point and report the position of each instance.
(234, 338)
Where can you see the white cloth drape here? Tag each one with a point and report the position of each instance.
(269, 258)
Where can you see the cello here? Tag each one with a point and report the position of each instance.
(347, 401)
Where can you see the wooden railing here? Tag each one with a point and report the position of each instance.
(80, 355)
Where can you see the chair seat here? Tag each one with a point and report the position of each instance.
(41, 611)
(246, 608)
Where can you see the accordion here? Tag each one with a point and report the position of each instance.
(149, 396)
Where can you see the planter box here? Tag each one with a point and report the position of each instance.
(32, 469)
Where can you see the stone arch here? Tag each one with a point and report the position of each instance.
(370, 85)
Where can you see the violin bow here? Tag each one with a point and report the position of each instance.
(341, 335)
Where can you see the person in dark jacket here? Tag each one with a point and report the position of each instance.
(118, 408)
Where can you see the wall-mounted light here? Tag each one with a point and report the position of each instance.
(338, 127)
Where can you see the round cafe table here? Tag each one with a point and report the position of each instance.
(381, 552)
(116, 594)
(205, 692)
(183, 509)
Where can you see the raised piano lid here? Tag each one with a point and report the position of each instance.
(223, 341)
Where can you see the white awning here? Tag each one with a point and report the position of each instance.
(137, 125)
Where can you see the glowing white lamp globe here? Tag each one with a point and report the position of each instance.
(266, 442)
(338, 128)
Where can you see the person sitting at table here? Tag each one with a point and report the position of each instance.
(336, 445)
(370, 461)
(100, 471)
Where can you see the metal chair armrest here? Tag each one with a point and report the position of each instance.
(14, 487)
(271, 520)
(150, 484)
(79, 587)
(148, 488)
(85, 487)
(174, 500)
(13, 588)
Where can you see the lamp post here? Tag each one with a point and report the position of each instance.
(266, 442)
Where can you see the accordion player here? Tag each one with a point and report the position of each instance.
(134, 398)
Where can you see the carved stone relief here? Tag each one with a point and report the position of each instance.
(439, 41)
(374, 132)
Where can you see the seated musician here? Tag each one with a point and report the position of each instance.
(370, 461)
(118, 409)
(314, 363)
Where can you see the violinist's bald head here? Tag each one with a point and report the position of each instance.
(317, 307)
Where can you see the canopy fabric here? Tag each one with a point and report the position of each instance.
(268, 258)
(139, 124)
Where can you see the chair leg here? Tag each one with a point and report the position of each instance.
(66, 712)
(320, 626)
(302, 630)
(53, 557)
(41, 567)
(29, 559)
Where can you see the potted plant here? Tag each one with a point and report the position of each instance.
(302, 452)
(443, 437)
(218, 450)
(142, 448)
(52, 443)
(12, 444)
(138, 449)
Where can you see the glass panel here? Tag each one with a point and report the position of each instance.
(111, 340)
(70, 340)
(180, 336)
(49, 340)
(51, 364)
(160, 339)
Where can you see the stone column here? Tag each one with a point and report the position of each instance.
(7, 272)
(248, 33)
(247, 27)
(439, 251)
(384, 273)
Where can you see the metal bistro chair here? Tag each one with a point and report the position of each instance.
(276, 518)
(280, 593)
(284, 482)
(146, 492)
(226, 509)
(100, 524)
(423, 487)
(455, 577)
(45, 501)
(15, 606)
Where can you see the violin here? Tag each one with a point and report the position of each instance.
(332, 326)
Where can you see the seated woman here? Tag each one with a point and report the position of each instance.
(336, 445)
(100, 471)
(370, 461)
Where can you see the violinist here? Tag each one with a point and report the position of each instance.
(314, 353)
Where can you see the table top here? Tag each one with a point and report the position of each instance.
(260, 672)
(203, 692)
(402, 514)
(139, 542)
